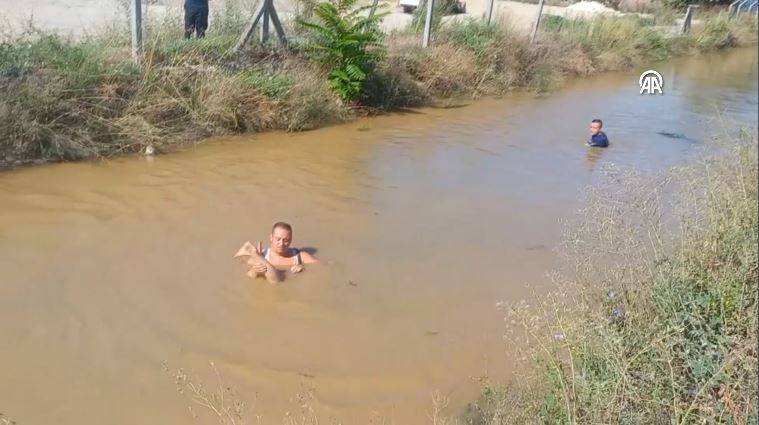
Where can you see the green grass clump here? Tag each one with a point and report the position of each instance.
(84, 64)
(272, 85)
(474, 35)
(552, 22)
(614, 43)
(715, 34)
(213, 48)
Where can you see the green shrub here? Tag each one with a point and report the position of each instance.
(347, 42)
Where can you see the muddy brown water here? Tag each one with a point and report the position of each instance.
(425, 219)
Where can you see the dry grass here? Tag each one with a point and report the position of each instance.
(655, 318)
(444, 71)
(221, 404)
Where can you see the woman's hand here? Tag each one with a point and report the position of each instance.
(259, 268)
(296, 268)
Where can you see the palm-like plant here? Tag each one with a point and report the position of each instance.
(347, 40)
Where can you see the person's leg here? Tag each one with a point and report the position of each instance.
(189, 21)
(202, 22)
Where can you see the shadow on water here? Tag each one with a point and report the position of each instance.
(309, 249)
(676, 136)
(406, 111)
(452, 105)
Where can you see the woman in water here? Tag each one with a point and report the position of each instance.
(278, 258)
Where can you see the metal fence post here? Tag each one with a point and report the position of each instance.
(428, 24)
(739, 6)
(537, 22)
(136, 30)
(731, 8)
(265, 12)
(265, 22)
(748, 4)
(374, 8)
(490, 11)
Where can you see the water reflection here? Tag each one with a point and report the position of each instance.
(592, 156)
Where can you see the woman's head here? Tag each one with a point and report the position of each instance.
(281, 238)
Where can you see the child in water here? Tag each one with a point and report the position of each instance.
(597, 137)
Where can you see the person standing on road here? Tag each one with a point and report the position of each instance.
(195, 18)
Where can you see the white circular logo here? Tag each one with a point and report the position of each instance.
(651, 82)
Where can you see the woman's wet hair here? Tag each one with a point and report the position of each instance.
(282, 225)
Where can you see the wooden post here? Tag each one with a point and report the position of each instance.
(537, 22)
(428, 24)
(136, 30)
(490, 11)
(688, 18)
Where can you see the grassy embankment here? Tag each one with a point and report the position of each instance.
(67, 100)
(656, 321)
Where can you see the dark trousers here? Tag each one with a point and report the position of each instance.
(195, 20)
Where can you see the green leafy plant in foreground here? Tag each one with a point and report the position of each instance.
(346, 40)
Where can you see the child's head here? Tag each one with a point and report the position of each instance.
(595, 126)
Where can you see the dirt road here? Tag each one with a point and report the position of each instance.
(80, 17)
